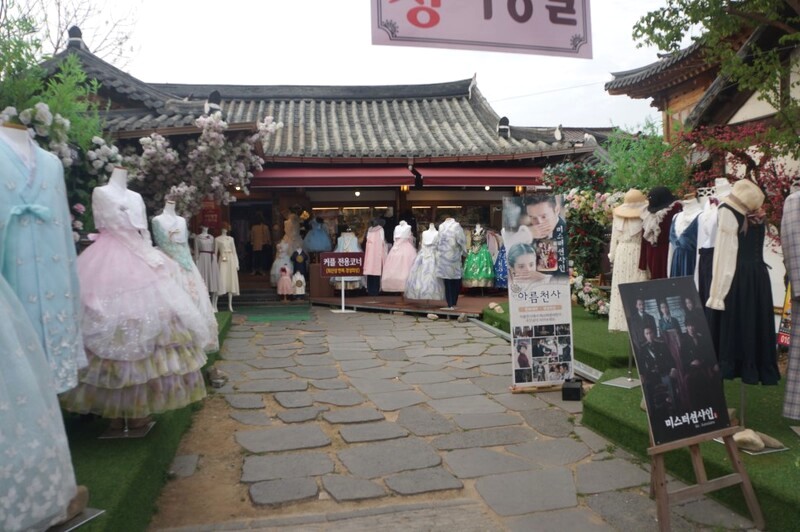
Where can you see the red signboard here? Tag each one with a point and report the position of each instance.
(211, 216)
(543, 27)
(341, 264)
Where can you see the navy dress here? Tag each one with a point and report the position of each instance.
(684, 250)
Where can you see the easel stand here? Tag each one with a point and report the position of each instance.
(665, 498)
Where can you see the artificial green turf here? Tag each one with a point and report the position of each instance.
(262, 314)
(124, 477)
(615, 413)
(594, 345)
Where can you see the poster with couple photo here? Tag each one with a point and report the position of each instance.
(535, 237)
(681, 379)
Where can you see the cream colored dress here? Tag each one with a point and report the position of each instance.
(225, 250)
(626, 242)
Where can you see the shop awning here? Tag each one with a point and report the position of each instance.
(454, 176)
(333, 176)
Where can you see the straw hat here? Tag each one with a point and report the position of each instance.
(633, 204)
(658, 198)
(747, 193)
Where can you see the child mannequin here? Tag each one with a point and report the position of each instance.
(285, 287)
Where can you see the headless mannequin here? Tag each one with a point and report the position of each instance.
(214, 295)
(224, 232)
(119, 178)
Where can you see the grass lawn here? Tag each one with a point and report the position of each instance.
(124, 477)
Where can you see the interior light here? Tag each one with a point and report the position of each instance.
(487, 187)
(358, 193)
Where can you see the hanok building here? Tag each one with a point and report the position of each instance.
(428, 151)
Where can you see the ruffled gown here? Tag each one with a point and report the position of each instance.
(317, 239)
(170, 235)
(422, 281)
(478, 268)
(144, 336)
(36, 476)
(399, 260)
(285, 287)
(282, 260)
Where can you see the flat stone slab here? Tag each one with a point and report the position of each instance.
(578, 518)
(282, 439)
(244, 353)
(369, 386)
(595, 442)
(273, 385)
(550, 453)
(314, 360)
(384, 372)
(520, 401)
(474, 404)
(472, 463)
(493, 385)
(420, 367)
(275, 492)
(245, 400)
(503, 370)
(383, 430)
(379, 459)
(240, 334)
(632, 510)
(276, 353)
(260, 374)
(426, 377)
(447, 390)
(550, 422)
(424, 422)
(459, 373)
(258, 468)
(483, 438)
(343, 488)
(184, 466)
(608, 475)
(277, 340)
(313, 349)
(554, 398)
(353, 415)
(352, 365)
(351, 355)
(423, 481)
(252, 417)
(272, 363)
(393, 354)
(339, 397)
(396, 400)
(299, 415)
(329, 384)
(293, 399)
(528, 491)
(485, 421)
(315, 372)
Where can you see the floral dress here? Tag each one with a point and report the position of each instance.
(479, 267)
(626, 243)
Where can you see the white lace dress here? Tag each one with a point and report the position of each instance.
(626, 243)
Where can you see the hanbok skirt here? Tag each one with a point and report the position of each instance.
(193, 284)
(422, 282)
(478, 269)
(36, 476)
(398, 266)
(143, 334)
(501, 269)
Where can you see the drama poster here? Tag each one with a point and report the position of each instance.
(674, 353)
(535, 237)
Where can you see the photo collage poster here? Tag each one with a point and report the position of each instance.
(674, 352)
(535, 238)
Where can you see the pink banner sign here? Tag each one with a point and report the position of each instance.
(542, 27)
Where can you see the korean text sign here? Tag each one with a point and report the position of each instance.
(341, 264)
(542, 27)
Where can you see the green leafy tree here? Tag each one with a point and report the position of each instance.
(644, 160)
(721, 27)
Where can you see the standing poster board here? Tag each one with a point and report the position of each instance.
(785, 328)
(671, 341)
(535, 237)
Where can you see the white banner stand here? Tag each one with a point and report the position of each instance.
(342, 310)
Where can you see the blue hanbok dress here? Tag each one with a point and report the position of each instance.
(501, 269)
(317, 238)
(37, 255)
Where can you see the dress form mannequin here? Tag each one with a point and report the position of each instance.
(422, 281)
(375, 251)
(683, 239)
(656, 221)
(399, 260)
(626, 242)
(172, 237)
(205, 258)
(479, 266)
(225, 250)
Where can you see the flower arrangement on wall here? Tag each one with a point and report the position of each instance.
(586, 293)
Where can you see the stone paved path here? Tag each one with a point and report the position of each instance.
(381, 408)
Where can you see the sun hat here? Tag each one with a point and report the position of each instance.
(659, 197)
(633, 204)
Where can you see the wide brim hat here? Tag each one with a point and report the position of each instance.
(633, 204)
(747, 193)
(658, 198)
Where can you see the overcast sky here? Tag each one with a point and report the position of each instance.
(328, 42)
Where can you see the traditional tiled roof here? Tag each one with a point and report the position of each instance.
(443, 121)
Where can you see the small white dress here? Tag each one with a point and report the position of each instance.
(228, 264)
(626, 242)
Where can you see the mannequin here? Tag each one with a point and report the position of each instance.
(422, 282)
(683, 239)
(228, 262)
(790, 242)
(389, 223)
(374, 255)
(171, 237)
(740, 288)
(206, 264)
(479, 267)
(626, 242)
(707, 236)
(317, 239)
(348, 243)
(656, 220)
(144, 335)
(399, 260)
(284, 287)
(34, 209)
(261, 241)
(450, 248)
(300, 262)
